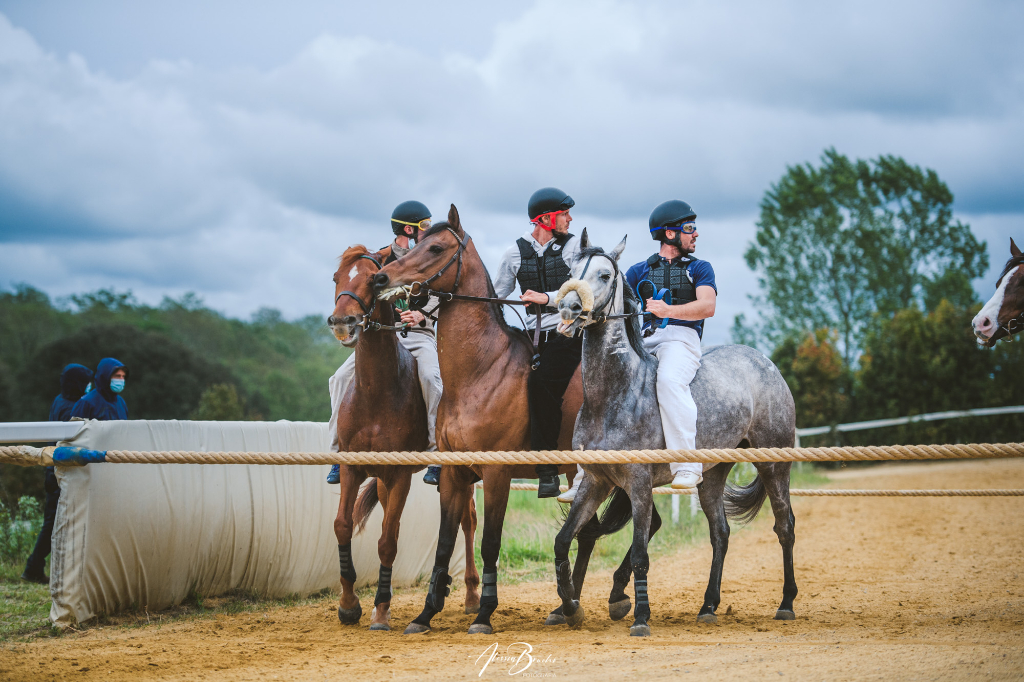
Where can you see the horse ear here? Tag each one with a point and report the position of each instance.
(453, 219)
(617, 251)
(584, 240)
(1014, 251)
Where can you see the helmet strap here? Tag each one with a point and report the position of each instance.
(549, 228)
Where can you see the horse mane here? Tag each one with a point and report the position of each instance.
(351, 254)
(1010, 265)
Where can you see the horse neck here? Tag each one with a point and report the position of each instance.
(470, 333)
(606, 349)
(377, 352)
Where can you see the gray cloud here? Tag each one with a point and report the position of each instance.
(242, 179)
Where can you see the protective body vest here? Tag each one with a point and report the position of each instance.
(543, 273)
(672, 276)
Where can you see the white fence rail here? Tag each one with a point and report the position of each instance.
(898, 421)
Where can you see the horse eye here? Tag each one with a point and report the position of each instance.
(436, 248)
(605, 277)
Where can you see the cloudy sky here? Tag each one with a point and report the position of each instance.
(234, 149)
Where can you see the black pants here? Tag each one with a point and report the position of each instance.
(559, 358)
(37, 560)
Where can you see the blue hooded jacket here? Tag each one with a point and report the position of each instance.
(73, 382)
(102, 403)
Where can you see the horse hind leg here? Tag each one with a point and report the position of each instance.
(393, 495)
(775, 477)
(712, 501)
(619, 604)
(472, 576)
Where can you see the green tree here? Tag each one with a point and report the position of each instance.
(815, 373)
(837, 243)
(219, 402)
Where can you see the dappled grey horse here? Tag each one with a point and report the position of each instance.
(742, 401)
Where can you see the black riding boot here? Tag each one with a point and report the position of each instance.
(549, 481)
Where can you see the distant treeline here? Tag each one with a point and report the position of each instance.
(186, 361)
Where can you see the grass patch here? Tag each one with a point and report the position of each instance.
(527, 540)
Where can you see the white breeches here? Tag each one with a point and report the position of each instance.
(424, 348)
(678, 352)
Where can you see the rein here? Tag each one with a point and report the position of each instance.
(600, 318)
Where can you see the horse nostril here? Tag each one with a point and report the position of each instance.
(380, 280)
(984, 323)
(331, 321)
(348, 319)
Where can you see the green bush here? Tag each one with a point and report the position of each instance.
(19, 527)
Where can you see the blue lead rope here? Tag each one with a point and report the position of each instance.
(646, 292)
(77, 457)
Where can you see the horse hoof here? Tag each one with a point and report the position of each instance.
(708, 618)
(783, 614)
(620, 609)
(640, 630)
(470, 610)
(416, 629)
(576, 619)
(350, 616)
(380, 626)
(480, 629)
(555, 617)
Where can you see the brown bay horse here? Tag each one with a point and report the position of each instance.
(382, 410)
(484, 368)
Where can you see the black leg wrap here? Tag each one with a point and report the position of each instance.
(563, 580)
(383, 586)
(348, 569)
(438, 589)
(489, 589)
(643, 607)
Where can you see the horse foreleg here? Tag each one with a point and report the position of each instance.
(776, 480)
(496, 489)
(393, 497)
(619, 605)
(643, 506)
(581, 514)
(349, 610)
(472, 575)
(454, 488)
(712, 501)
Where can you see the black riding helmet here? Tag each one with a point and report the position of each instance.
(548, 200)
(410, 213)
(669, 215)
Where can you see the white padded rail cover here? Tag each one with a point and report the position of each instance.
(147, 535)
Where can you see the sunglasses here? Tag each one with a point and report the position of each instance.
(422, 225)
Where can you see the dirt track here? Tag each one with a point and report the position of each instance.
(889, 588)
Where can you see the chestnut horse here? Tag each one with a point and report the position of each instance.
(484, 367)
(382, 410)
(1003, 315)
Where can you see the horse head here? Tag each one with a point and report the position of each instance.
(353, 293)
(427, 266)
(590, 294)
(1003, 315)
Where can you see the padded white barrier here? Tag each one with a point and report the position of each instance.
(147, 535)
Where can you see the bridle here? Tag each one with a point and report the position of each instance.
(418, 289)
(1015, 324)
(366, 324)
(590, 316)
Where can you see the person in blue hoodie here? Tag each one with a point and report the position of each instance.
(73, 382)
(103, 402)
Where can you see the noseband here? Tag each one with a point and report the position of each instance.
(590, 317)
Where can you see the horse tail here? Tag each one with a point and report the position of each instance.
(616, 515)
(745, 502)
(365, 503)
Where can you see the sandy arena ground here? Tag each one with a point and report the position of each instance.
(926, 588)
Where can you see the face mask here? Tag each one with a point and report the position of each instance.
(117, 385)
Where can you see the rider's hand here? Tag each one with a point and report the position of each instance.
(658, 308)
(531, 296)
(412, 317)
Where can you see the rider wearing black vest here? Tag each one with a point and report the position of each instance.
(675, 333)
(540, 263)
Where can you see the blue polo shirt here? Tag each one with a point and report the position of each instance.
(700, 273)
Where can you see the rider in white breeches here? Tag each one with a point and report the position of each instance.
(680, 291)
(407, 221)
